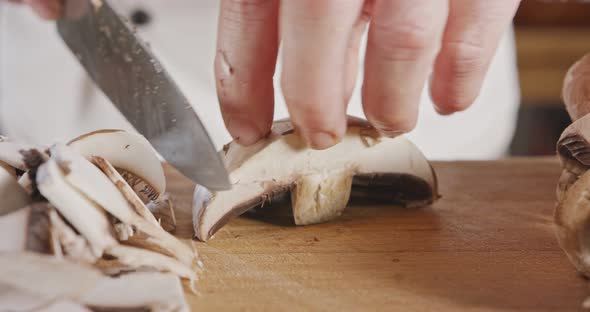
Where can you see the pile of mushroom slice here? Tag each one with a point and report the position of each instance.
(363, 165)
(77, 230)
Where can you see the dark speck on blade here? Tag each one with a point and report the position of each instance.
(127, 146)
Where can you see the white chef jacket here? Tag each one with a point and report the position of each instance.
(46, 96)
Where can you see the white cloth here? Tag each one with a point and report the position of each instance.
(46, 96)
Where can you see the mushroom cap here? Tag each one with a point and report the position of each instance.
(274, 165)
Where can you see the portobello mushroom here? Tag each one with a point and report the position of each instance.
(319, 181)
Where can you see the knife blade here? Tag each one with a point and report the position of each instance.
(135, 81)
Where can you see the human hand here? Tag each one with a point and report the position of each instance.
(454, 40)
(47, 9)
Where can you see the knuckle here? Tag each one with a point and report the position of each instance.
(465, 58)
(309, 108)
(309, 113)
(254, 10)
(248, 4)
(407, 41)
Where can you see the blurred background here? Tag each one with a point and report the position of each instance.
(550, 37)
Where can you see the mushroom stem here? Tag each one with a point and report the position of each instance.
(321, 197)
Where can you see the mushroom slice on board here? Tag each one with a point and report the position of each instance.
(131, 154)
(90, 181)
(8, 168)
(131, 258)
(163, 210)
(16, 300)
(72, 245)
(88, 219)
(10, 152)
(125, 189)
(28, 229)
(319, 181)
(37, 275)
(82, 208)
(13, 195)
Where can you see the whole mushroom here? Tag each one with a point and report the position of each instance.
(320, 182)
(572, 212)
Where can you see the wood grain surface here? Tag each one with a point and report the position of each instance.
(487, 245)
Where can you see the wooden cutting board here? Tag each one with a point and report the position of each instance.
(487, 245)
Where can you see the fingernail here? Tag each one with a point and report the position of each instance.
(322, 140)
(243, 131)
(389, 132)
(386, 130)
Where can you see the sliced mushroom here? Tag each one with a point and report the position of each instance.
(319, 181)
(17, 300)
(163, 211)
(131, 154)
(72, 245)
(133, 258)
(126, 191)
(33, 159)
(88, 220)
(11, 170)
(123, 231)
(10, 152)
(13, 195)
(80, 205)
(27, 229)
(91, 182)
(28, 273)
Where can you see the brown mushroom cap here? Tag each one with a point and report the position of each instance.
(572, 211)
(576, 88)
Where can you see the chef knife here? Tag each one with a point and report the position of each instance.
(131, 76)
